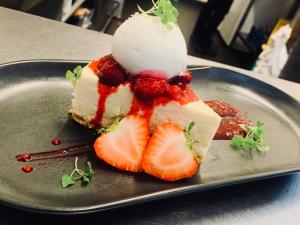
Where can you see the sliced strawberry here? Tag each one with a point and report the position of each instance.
(167, 156)
(124, 144)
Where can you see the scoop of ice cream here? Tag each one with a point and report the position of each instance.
(143, 43)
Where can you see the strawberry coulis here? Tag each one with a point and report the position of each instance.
(179, 93)
(232, 118)
(146, 108)
(104, 91)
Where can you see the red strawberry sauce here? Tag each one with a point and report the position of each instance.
(141, 103)
(232, 118)
(23, 157)
(104, 91)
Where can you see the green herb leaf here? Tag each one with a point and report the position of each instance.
(85, 180)
(88, 172)
(85, 176)
(254, 139)
(89, 167)
(262, 147)
(190, 141)
(74, 75)
(165, 10)
(67, 181)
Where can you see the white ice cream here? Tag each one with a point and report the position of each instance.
(143, 43)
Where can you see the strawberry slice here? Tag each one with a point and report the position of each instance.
(123, 144)
(169, 155)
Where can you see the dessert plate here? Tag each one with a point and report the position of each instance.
(34, 103)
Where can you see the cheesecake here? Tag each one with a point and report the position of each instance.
(96, 105)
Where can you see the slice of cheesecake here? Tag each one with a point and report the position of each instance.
(97, 105)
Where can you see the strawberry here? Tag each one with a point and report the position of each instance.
(147, 88)
(182, 94)
(169, 155)
(110, 72)
(184, 79)
(122, 145)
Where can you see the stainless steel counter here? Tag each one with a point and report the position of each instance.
(273, 201)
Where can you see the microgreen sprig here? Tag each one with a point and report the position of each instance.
(165, 10)
(78, 174)
(74, 75)
(254, 139)
(190, 141)
(113, 126)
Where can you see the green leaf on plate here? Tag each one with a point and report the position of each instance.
(254, 139)
(67, 181)
(78, 174)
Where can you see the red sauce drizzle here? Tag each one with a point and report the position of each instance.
(77, 149)
(145, 109)
(27, 169)
(232, 118)
(104, 91)
(23, 157)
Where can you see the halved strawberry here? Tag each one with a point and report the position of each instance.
(168, 156)
(124, 143)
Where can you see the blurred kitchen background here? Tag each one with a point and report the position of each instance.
(238, 41)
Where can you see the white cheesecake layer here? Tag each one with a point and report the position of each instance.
(206, 121)
(118, 103)
(86, 98)
(142, 43)
(85, 95)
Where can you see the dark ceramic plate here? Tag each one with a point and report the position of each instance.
(34, 103)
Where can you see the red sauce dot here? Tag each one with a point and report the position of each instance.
(23, 157)
(27, 169)
(55, 141)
